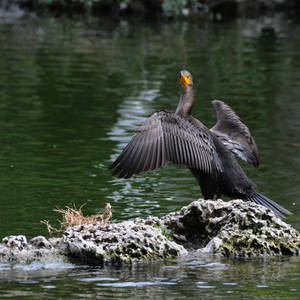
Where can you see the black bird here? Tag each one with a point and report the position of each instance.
(178, 137)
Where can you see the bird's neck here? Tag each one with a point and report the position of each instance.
(186, 102)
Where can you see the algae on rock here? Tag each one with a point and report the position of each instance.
(233, 229)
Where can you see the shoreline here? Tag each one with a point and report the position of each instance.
(157, 10)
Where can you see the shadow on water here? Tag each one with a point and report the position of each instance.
(72, 92)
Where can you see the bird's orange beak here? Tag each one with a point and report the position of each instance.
(184, 80)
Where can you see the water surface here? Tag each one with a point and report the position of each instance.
(72, 91)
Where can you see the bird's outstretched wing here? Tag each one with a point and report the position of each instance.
(168, 137)
(234, 134)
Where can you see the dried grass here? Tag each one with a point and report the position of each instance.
(72, 216)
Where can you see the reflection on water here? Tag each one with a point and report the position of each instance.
(191, 276)
(72, 92)
(132, 112)
(276, 24)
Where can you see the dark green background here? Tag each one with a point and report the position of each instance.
(71, 94)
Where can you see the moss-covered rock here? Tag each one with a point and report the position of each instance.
(124, 242)
(233, 229)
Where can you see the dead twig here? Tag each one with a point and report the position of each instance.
(71, 216)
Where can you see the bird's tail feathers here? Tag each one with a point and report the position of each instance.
(278, 210)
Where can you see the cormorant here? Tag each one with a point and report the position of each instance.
(178, 137)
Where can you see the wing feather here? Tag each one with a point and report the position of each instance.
(142, 155)
(167, 136)
(234, 134)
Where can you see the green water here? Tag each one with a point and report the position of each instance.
(72, 91)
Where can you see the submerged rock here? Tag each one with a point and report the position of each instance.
(233, 229)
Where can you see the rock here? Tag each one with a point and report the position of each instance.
(18, 242)
(125, 242)
(15, 248)
(40, 242)
(233, 229)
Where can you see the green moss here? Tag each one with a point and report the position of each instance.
(164, 232)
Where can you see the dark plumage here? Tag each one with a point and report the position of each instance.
(178, 137)
(234, 134)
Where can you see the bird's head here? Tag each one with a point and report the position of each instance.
(185, 78)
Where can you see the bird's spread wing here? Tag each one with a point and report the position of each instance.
(234, 134)
(163, 137)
